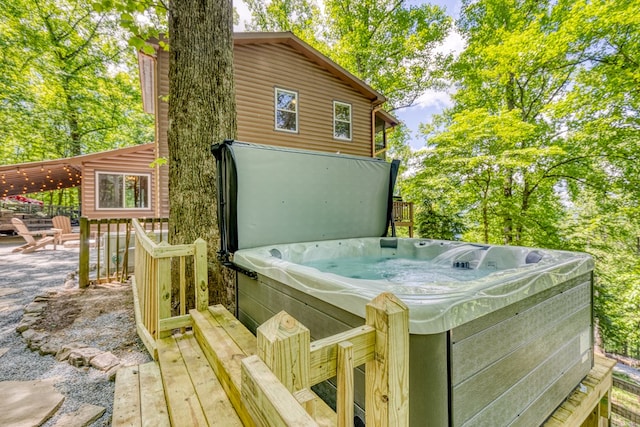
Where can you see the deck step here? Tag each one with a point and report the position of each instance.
(194, 394)
(131, 406)
(225, 342)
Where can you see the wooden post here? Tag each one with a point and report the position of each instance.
(410, 219)
(345, 393)
(201, 278)
(387, 375)
(83, 268)
(163, 280)
(283, 344)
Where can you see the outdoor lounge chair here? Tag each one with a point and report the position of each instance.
(33, 244)
(64, 224)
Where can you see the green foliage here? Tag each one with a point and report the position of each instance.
(389, 45)
(542, 145)
(68, 82)
(435, 222)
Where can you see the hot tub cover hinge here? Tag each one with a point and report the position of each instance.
(223, 257)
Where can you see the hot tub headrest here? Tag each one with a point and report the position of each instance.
(271, 195)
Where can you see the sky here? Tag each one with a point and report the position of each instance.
(431, 102)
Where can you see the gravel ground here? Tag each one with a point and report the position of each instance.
(110, 328)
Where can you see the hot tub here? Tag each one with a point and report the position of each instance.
(498, 335)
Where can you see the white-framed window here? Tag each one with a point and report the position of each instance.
(116, 190)
(286, 117)
(342, 120)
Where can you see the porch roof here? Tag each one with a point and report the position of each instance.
(40, 176)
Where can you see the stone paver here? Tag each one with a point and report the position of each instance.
(80, 418)
(28, 403)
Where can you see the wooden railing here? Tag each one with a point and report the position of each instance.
(403, 215)
(276, 382)
(105, 247)
(152, 286)
(626, 413)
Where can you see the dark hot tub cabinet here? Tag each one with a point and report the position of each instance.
(499, 335)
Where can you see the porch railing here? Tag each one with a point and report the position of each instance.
(403, 215)
(152, 288)
(106, 247)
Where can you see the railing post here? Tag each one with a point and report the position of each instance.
(345, 393)
(163, 280)
(387, 375)
(201, 274)
(411, 219)
(83, 268)
(283, 345)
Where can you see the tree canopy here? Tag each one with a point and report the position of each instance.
(68, 82)
(541, 146)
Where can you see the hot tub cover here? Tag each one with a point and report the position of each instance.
(270, 195)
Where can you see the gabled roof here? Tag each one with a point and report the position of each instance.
(312, 54)
(53, 174)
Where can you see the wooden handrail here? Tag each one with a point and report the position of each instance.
(283, 346)
(152, 285)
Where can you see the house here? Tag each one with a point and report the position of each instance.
(115, 184)
(287, 94)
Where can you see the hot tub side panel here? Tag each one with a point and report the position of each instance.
(259, 300)
(510, 367)
(517, 364)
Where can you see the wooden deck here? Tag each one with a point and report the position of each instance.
(197, 381)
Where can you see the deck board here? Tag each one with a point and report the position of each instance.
(153, 405)
(126, 402)
(217, 407)
(182, 400)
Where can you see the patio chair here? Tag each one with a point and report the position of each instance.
(64, 224)
(33, 244)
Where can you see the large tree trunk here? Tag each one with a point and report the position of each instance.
(201, 112)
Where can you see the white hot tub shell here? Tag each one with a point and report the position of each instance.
(499, 336)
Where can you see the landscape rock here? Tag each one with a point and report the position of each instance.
(104, 361)
(35, 307)
(80, 418)
(34, 339)
(49, 348)
(37, 340)
(82, 356)
(65, 351)
(111, 373)
(25, 324)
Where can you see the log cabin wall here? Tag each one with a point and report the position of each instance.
(135, 160)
